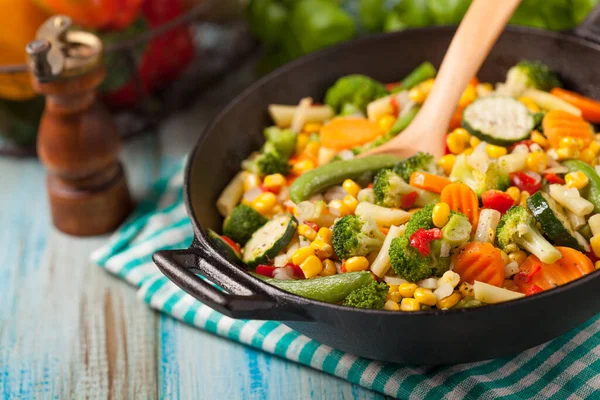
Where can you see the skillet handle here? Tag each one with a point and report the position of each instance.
(238, 295)
(590, 27)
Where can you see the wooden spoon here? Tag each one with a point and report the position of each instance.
(476, 34)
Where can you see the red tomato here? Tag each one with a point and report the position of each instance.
(497, 200)
(526, 181)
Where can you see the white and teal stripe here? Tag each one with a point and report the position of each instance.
(567, 367)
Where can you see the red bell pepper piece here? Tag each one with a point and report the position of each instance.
(526, 181)
(422, 238)
(265, 270)
(312, 225)
(391, 86)
(527, 274)
(527, 143)
(231, 243)
(497, 200)
(553, 178)
(408, 200)
(395, 105)
(298, 273)
(533, 290)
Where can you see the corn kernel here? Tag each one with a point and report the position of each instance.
(264, 202)
(328, 268)
(474, 141)
(565, 153)
(312, 150)
(495, 151)
(447, 163)
(594, 147)
(278, 209)
(448, 302)
(577, 180)
(537, 161)
(392, 288)
(407, 289)
(455, 144)
(523, 200)
(462, 134)
(440, 214)
(597, 265)
(351, 187)
(386, 122)
(302, 254)
(466, 289)
(303, 166)
(569, 142)
(307, 232)
(410, 305)
(394, 296)
(468, 96)
(595, 243)
(514, 192)
(338, 208)
(324, 235)
(311, 267)
(311, 127)
(354, 264)
(301, 142)
(539, 139)
(587, 155)
(391, 305)
(419, 93)
(322, 249)
(250, 181)
(468, 151)
(530, 104)
(351, 202)
(274, 182)
(425, 296)
(518, 256)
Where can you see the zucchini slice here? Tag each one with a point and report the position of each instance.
(553, 220)
(499, 120)
(227, 250)
(269, 240)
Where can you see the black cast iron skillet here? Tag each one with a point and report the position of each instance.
(428, 337)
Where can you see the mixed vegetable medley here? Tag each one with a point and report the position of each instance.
(512, 209)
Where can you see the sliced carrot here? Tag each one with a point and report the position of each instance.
(573, 265)
(462, 198)
(427, 181)
(590, 108)
(559, 124)
(456, 120)
(345, 133)
(478, 261)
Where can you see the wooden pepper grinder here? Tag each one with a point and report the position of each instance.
(78, 141)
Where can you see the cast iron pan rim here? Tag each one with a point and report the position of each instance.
(201, 237)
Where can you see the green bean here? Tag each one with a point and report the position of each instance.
(319, 179)
(423, 72)
(593, 188)
(402, 122)
(330, 289)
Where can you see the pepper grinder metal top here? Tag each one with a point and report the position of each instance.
(78, 141)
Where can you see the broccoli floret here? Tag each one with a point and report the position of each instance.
(267, 163)
(517, 230)
(493, 178)
(530, 74)
(389, 189)
(420, 219)
(242, 223)
(411, 265)
(282, 140)
(418, 162)
(357, 90)
(370, 296)
(355, 236)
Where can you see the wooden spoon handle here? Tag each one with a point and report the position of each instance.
(476, 34)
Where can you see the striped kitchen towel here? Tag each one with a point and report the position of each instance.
(567, 367)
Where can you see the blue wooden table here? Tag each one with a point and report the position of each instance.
(70, 330)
